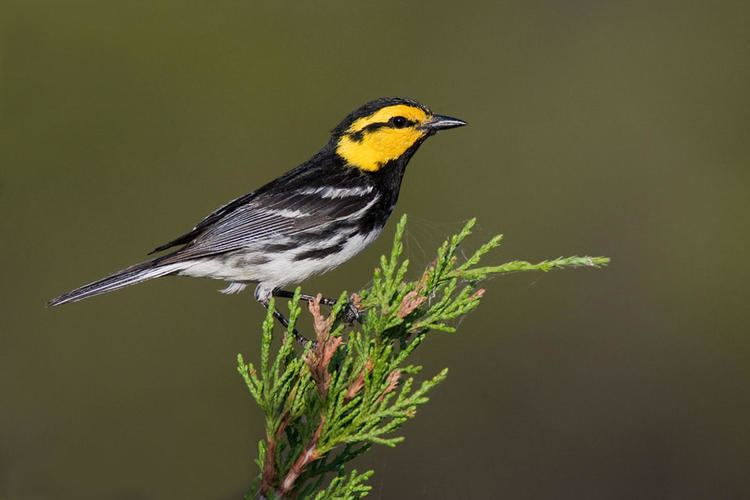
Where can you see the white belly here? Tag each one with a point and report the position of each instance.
(276, 269)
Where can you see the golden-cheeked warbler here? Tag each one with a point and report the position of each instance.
(306, 222)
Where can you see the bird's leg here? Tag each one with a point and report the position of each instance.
(286, 294)
(301, 339)
(349, 311)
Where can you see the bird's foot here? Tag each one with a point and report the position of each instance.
(301, 339)
(352, 310)
(350, 313)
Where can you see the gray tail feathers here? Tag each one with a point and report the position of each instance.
(130, 276)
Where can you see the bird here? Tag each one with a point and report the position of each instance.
(306, 222)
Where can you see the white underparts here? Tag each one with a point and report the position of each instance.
(233, 287)
(273, 269)
(274, 261)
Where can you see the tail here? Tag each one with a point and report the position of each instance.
(130, 276)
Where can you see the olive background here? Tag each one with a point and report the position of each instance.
(602, 128)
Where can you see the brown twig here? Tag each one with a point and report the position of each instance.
(356, 301)
(392, 383)
(319, 357)
(318, 360)
(412, 300)
(305, 458)
(269, 465)
(358, 382)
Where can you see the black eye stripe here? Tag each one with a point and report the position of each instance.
(374, 126)
(358, 135)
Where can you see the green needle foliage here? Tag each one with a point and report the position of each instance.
(353, 387)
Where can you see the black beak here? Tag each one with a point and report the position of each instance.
(442, 122)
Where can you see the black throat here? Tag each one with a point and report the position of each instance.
(387, 180)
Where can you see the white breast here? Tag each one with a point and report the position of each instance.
(273, 270)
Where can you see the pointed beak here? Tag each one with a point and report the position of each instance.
(442, 122)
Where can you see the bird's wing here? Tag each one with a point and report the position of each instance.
(275, 215)
(205, 223)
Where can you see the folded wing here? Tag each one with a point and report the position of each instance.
(270, 216)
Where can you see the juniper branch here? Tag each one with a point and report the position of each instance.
(328, 403)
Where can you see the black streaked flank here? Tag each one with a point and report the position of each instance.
(320, 253)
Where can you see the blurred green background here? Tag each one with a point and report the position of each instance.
(605, 128)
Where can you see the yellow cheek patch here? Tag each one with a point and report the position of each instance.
(377, 148)
(374, 148)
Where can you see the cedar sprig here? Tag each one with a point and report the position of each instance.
(328, 403)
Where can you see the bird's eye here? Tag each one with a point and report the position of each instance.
(399, 122)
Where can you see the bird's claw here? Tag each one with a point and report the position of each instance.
(352, 310)
(350, 313)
